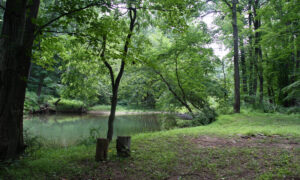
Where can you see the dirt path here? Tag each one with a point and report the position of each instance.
(247, 141)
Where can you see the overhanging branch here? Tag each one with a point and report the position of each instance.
(225, 1)
(66, 14)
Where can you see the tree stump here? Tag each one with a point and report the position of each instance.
(101, 149)
(123, 146)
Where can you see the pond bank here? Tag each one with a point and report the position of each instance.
(120, 113)
(239, 146)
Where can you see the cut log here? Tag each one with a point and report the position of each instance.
(101, 149)
(123, 146)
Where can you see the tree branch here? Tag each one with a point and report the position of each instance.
(132, 16)
(108, 66)
(66, 14)
(144, 8)
(225, 1)
(210, 12)
(172, 91)
(177, 77)
(69, 33)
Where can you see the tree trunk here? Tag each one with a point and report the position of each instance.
(116, 83)
(251, 60)
(236, 58)
(243, 65)
(258, 51)
(15, 53)
(112, 115)
(224, 79)
(40, 86)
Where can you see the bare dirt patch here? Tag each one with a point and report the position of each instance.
(247, 141)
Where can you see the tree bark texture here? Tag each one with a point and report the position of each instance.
(258, 51)
(15, 53)
(252, 70)
(236, 58)
(40, 85)
(244, 68)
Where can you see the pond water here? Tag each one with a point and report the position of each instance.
(69, 129)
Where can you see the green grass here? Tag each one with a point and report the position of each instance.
(177, 153)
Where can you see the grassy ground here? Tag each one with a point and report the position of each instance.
(240, 146)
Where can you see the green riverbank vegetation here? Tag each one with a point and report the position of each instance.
(247, 145)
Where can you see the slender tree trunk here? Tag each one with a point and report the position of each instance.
(236, 58)
(269, 80)
(258, 51)
(40, 86)
(271, 94)
(114, 101)
(15, 53)
(224, 79)
(251, 60)
(116, 83)
(243, 65)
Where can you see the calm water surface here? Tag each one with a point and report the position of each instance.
(68, 129)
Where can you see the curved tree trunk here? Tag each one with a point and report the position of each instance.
(116, 83)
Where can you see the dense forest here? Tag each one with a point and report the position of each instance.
(76, 56)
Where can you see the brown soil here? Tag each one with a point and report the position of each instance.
(247, 141)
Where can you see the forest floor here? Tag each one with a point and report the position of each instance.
(239, 146)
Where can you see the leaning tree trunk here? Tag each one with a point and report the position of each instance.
(15, 52)
(236, 58)
(111, 118)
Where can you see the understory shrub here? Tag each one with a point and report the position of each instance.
(67, 104)
(204, 117)
(31, 101)
(33, 143)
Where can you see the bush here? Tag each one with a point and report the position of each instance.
(204, 117)
(31, 101)
(33, 143)
(92, 138)
(184, 123)
(67, 104)
(293, 110)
